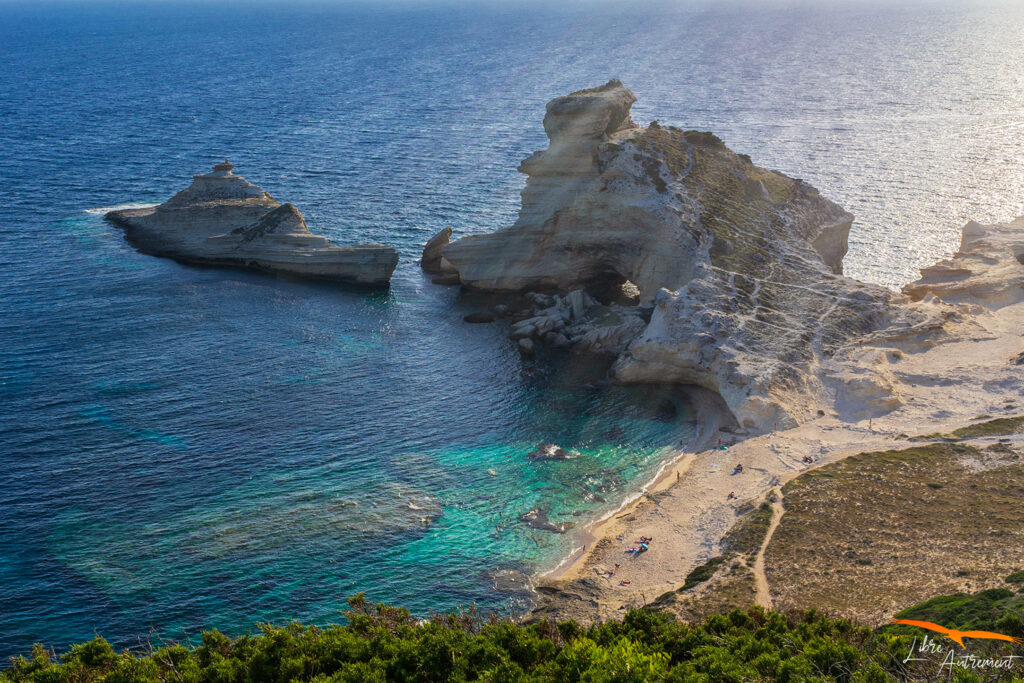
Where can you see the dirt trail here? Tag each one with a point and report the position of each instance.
(689, 509)
(764, 596)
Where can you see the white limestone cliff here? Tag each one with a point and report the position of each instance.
(741, 265)
(988, 268)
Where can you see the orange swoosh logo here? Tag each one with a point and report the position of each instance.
(957, 636)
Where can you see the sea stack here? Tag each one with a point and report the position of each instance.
(223, 219)
(683, 261)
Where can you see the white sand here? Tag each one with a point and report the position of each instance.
(686, 510)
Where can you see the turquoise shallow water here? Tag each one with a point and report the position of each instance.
(183, 448)
(190, 447)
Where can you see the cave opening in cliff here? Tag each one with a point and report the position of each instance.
(608, 286)
(605, 286)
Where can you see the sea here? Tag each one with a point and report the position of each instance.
(183, 448)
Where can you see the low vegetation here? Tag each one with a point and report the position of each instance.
(747, 536)
(703, 572)
(385, 643)
(1001, 426)
(892, 528)
(998, 609)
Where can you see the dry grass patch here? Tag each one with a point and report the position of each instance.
(877, 532)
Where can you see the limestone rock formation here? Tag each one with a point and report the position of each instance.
(609, 202)
(988, 269)
(222, 219)
(431, 261)
(738, 268)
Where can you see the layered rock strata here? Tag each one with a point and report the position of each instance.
(735, 270)
(222, 219)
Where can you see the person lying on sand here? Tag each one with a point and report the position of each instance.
(731, 496)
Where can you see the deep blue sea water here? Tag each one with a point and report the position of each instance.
(183, 448)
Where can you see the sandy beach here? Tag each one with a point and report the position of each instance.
(688, 508)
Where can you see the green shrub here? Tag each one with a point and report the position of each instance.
(703, 572)
(385, 643)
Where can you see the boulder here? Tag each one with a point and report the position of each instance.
(431, 261)
(578, 302)
(558, 340)
(522, 329)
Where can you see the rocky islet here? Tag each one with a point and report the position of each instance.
(223, 219)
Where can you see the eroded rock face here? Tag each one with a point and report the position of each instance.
(610, 202)
(222, 219)
(742, 265)
(988, 268)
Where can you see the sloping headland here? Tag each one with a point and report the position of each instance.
(684, 263)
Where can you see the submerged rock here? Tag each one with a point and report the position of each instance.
(223, 219)
(479, 317)
(510, 580)
(537, 518)
(550, 451)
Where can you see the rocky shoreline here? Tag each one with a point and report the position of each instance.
(681, 262)
(948, 376)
